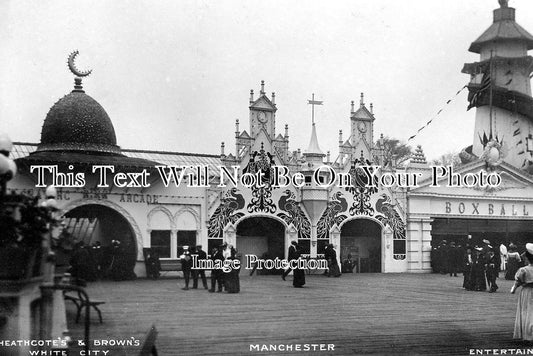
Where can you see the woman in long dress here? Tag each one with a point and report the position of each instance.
(298, 280)
(467, 270)
(477, 276)
(523, 325)
(513, 263)
(231, 279)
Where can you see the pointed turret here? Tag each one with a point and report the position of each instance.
(313, 147)
(314, 154)
(500, 89)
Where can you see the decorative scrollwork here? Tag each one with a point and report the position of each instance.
(389, 216)
(293, 214)
(332, 215)
(399, 256)
(362, 189)
(261, 193)
(225, 213)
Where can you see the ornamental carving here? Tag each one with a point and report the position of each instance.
(293, 214)
(261, 201)
(225, 213)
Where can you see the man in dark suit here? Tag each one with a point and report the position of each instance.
(186, 266)
(217, 275)
(202, 255)
(293, 255)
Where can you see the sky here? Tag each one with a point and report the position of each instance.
(174, 75)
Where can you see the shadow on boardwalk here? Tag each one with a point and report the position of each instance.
(394, 314)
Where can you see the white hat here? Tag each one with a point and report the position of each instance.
(529, 248)
(486, 241)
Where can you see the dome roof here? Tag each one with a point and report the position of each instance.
(78, 123)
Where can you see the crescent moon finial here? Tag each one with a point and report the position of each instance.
(73, 68)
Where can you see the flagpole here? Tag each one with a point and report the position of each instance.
(490, 97)
(313, 109)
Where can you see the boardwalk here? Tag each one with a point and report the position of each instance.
(360, 314)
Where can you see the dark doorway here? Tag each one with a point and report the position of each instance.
(361, 238)
(261, 236)
(107, 236)
(497, 231)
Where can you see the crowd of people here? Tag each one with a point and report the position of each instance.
(220, 280)
(92, 262)
(480, 263)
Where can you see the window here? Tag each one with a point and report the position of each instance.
(160, 242)
(305, 246)
(321, 246)
(185, 238)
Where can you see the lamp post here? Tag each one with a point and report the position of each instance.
(8, 168)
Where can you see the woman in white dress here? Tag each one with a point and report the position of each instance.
(523, 326)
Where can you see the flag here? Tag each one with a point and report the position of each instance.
(486, 82)
(315, 102)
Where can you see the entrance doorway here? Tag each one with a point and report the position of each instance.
(107, 236)
(497, 231)
(261, 236)
(361, 241)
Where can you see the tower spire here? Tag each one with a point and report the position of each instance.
(314, 148)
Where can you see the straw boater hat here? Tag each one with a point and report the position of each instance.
(529, 248)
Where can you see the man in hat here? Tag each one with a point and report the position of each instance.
(202, 256)
(455, 258)
(217, 275)
(186, 266)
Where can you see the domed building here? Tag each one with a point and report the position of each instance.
(77, 135)
(77, 122)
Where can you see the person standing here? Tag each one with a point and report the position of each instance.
(513, 262)
(186, 266)
(217, 275)
(523, 326)
(202, 256)
(333, 265)
(467, 270)
(445, 260)
(291, 256)
(455, 259)
(478, 270)
(231, 278)
(492, 271)
(299, 273)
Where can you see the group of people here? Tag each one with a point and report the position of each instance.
(229, 281)
(481, 267)
(92, 262)
(479, 263)
(220, 280)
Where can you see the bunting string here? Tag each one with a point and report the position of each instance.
(437, 114)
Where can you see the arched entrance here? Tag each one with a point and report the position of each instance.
(99, 228)
(261, 236)
(361, 238)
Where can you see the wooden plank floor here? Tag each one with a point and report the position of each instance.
(394, 314)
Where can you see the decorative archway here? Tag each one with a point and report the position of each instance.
(109, 237)
(133, 224)
(261, 235)
(362, 239)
